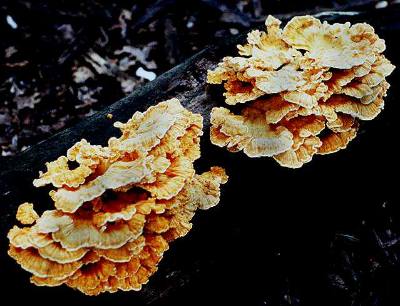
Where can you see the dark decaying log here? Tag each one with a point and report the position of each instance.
(268, 242)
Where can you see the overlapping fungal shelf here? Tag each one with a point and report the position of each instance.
(305, 88)
(117, 212)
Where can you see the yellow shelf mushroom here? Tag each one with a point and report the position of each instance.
(116, 213)
(296, 82)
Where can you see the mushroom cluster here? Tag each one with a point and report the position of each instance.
(306, 87)
(119, 207)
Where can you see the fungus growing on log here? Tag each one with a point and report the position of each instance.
(297, 82)
(113, 221)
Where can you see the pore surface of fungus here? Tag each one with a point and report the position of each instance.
(307, 78)
(116, 212)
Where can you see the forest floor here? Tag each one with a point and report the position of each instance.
(60, 62)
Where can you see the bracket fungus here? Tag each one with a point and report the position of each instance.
(116, 213)
(296, 82)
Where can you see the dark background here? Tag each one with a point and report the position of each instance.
(52, 39)
(325, 234)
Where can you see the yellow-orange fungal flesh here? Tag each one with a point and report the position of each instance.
(116, 213)
(296, 82)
